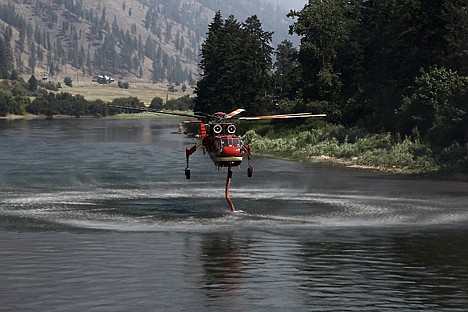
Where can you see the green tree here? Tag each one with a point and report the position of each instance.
(6, 58)
(68, 81)
(98, 108)
(361, 56)
(182, 103)
(5, 103)
(324, 27)
(255, 68)
(438, 107)
(157, 103)
(45, 104)
(32, 58)
(14, 75)
(287, 76)
(236, 65)
(211, 61)
(455, 24)
(158, 73)
(32, 83)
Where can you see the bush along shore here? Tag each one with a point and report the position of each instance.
(356, 148)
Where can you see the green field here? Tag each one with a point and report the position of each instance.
(145, 92)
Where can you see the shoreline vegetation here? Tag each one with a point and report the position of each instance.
(355, 148)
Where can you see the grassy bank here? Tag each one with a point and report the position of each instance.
(356, 148)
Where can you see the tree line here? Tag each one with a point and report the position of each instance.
(384, 66)
(19, 97)
(16, 94)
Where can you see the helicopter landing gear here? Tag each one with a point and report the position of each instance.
(250, 171)
(188, 152)
(187, 170)
(228, 183)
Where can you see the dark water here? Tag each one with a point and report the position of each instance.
(96, 215)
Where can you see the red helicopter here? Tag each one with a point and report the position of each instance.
(220, 140)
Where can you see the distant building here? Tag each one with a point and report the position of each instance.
(103, 79)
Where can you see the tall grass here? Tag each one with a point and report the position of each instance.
(351, 146)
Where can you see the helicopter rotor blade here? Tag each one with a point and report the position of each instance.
(146, 109)
(234, 113)
(205, 115)
(283, 116)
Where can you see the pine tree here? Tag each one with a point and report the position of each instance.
(6, 57)
(211, 61)
(256, 62)
(236, 65)
(32, 58)
(157, 72)
(287, 76)
(32, 83)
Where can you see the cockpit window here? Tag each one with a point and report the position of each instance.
(225, 142)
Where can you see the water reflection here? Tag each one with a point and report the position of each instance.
(221, 257)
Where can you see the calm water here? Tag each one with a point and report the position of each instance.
(96, 215)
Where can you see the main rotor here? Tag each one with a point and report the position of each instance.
(220, 117)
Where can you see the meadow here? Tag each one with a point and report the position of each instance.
(145, 92)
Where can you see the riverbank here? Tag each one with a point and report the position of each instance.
(143, 115)
(435, 174)
(32, 117)
(383, 152)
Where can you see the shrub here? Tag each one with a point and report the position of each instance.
(382, 150)
(123, 85)
(454, 157)
(68, 81)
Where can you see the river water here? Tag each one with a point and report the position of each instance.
(96, 215)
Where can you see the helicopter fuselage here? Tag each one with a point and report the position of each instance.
(222, 144)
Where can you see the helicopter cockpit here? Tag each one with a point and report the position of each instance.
(228, 143)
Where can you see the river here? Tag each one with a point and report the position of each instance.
(96, 215)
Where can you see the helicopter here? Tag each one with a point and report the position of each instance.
(218, 137)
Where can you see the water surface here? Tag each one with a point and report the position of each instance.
(97, 215)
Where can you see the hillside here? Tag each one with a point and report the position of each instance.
(135, 40)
